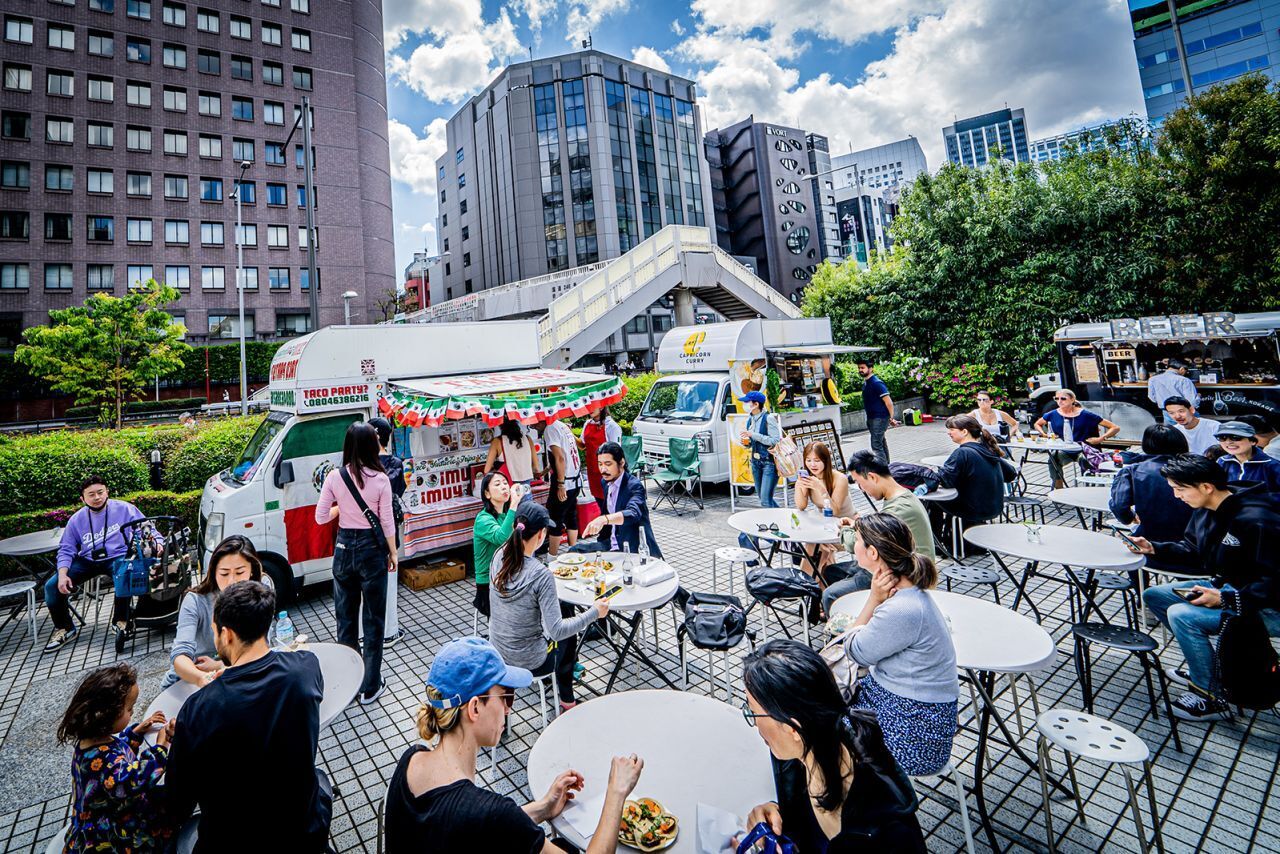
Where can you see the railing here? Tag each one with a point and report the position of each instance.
(453, 309)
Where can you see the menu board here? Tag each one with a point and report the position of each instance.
(1086, 369)
(818, 431)
(448, 461)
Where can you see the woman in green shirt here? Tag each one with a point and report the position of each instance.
(493, 527)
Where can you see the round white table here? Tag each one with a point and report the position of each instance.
(1067, 547)
(341, 666)
(1094, 498)
(785, 525)
(942, 493)
(935, 460)
(695, 750)
(1042, 446)
(26, 545)
(626, 609)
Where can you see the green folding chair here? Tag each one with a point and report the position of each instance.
(633, 450)
(676, 481)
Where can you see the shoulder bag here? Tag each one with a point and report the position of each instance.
(787, 457)
(372, 518)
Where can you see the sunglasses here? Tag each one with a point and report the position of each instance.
(771, 528)
(507, 695)
(751, 716)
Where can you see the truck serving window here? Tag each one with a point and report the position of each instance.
(251, 457)
(681, 400)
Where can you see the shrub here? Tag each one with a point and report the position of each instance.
(137, 406)
(206, 452)
(956, 385)
(46, 470)
(896, 373)
(626, 410)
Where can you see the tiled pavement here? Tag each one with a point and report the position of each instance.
(1217, 796)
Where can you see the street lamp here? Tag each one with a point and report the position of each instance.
(346, 306)
(244, 375)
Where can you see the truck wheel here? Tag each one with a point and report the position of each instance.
(282, 577)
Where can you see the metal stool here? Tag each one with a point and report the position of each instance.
(950, 773)
(1127, 640)
(546, 680)
(26, 589)
(972, 575)
(1099, 740)
(733, 555)
(1027, 506)
(1103, 581)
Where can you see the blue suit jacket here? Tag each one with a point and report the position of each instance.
(635, 516)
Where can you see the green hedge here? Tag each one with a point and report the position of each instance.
(215, 447)
(224, 363)
(137, 406)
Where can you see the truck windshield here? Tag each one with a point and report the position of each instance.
(251, 457)
(681, 400)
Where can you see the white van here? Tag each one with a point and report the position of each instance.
(712, 365)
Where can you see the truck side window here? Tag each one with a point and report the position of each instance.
(727, 408)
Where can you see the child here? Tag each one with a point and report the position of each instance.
(115, 786)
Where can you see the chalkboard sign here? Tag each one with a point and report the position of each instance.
(818, 431)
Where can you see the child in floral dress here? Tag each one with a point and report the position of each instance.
(116, 805)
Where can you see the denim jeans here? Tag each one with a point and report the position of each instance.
(1193, 625)
(765, 475)
(858, 579)
(879, 445)
(81, 570)
(360, 591)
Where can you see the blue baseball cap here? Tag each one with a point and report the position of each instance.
(753, 397)
(468, 667)
(1237, 430)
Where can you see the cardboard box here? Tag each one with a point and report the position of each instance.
(432, 574)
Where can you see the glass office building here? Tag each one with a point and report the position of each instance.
(979, 140)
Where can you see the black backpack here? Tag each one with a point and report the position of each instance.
(912, 475)
(1248, 668)
(713, 621)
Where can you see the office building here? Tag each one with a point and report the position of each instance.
(124, 124)
(978, 141)
(865, 215)
(564, 162)
(1221, 40)
(764, 206)
(894, 164)
(823, 182)
(417, 280)
(1089, 138)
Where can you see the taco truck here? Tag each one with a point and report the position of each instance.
(444, 387)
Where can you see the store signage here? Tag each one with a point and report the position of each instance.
(284, 399)
(1213, 324)
(1118, 354)
(326, 397)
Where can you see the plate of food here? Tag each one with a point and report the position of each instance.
(601, 565)
(572, 559)
(564, 571)
(587, 573)
(647, 826)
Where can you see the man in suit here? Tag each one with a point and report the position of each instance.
(626, 510)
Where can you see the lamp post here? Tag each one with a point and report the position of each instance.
(244, 376)
(313, 285)
(346, 306)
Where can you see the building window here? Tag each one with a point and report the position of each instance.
(107, 6)
(178, 276)
(248, 192)
(137, 94)
(58, 130)
(56, 178)
(668, 166)
(290, 324)
(646, 162)
(209, 62)
(273, 73)
(213, 279)
(102, 229)
(582, 195)
(60, 83)
(211, 234)
(462, 206)
(102, 89)
(21, 30)
(271, 34)
(62, 38)
(303, 6)
(304, 279)
(247, 235)
(547, 124)
(249, 278)
(100, 277)
(140, 9)
(15, 225)
(15, 175)
(302, 197)
(273, 153)
(241, 68)
(240, 28)
(301, 78)
(175, 99)
(302, 237)
(175, 186)
(138, 230)
(466, 232)
(14, 277)
(615, 99)
(206, 21)
(273, 3)
(17, 78)
(101, 44)
(210, 189)
(278, 278)
(210, 104)
(228, 325)
(277, 194)
(300, 39)
(138, 184)
(57, 226)
(174, 14)
(242, 109)
(466, 259)
(242, 150)
(278, 236)
(273, 112)
(138, 138)
(177, 231)
(174, 56)
(101, 135)
(139, 50)
(100, 181)
(57, 277)
(15, 125)
(210, 146)
(175, 143)
(138, 274)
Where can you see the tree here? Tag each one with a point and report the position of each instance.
(390, 302)
(106, 351)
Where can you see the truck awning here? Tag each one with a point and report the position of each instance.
(494, 398)
(820, 350)
(1235, 336)
(494, 383)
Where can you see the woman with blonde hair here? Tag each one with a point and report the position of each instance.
(819, 483)
(1071, 422)
(433, 802)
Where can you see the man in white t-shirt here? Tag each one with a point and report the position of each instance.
(564, 466)
(1201, 433)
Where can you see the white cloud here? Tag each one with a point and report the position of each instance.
(677, 27)
(413, 158)
(646, 55)
(460, 63)
(845, 21)
(586, 15)
(402, 18)
(535, 11)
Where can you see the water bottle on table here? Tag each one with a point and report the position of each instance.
(643, 549)
(286, 634)
(628, 571)
(828, 515)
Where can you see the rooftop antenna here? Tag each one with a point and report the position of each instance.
(531, 53)
(586, 43)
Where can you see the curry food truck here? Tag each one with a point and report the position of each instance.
(712, 365)
(444, 394)
(1233, 359)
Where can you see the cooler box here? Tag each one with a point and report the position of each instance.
(587, 509)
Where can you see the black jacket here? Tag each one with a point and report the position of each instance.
(979, 476)
(1238, 545)
(1140, 490)
(633, 506)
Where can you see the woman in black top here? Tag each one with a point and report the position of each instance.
(977, 470)
(839, 789)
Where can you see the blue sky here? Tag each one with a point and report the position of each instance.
(861, 71)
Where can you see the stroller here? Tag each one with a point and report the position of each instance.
(154, 573)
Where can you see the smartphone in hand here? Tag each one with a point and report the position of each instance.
(1187, 593)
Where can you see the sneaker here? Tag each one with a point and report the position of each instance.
(1193, 707)
(1150, 620)
(368, 699)
(579, 670)
(60, 637)
(119, 628)
(1178, 676)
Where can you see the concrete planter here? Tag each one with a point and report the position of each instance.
(856, 420)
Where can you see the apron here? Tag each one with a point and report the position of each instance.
(593, 438)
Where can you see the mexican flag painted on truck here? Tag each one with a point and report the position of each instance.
(314, 446)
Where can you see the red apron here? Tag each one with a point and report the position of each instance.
(593, 437)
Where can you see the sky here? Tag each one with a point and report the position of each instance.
(862, 72)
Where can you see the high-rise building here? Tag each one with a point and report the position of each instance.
(124, 126)
(865, 215)
(564, 162)
(764, 205)
(1088, 139)
(894, 164)
(823, 182)
(975, 141)
(1221, 40)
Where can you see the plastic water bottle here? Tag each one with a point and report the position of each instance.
(828, 515)
(922, 490)
(286, 634)
(1066, 431)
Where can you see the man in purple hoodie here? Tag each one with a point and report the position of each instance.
(91, 542)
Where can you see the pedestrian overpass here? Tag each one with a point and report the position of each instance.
(578, 309)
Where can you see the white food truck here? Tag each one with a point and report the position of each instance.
(445, 388)
(712, 365)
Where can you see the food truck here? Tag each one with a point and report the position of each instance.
(1233, 359)
(444, 387)
(712, 365)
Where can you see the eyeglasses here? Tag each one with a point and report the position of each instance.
(1062, 398)
(751, 716)
(771, 528)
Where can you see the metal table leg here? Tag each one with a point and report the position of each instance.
(630, 646)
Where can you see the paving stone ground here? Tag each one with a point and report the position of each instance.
(1218, 795)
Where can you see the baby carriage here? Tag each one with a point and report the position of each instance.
(154, 573)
